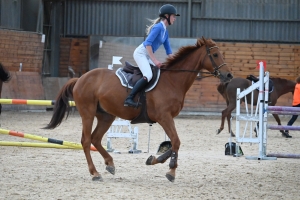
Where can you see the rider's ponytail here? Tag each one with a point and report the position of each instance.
(153, 22)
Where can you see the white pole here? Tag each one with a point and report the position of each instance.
(238, 107)
(266, 114)
(261, 109)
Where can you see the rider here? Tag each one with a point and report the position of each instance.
(296, 103)
(157, 35)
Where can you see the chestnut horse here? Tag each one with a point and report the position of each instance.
(228, 91)
(4, 77)
(98, 93)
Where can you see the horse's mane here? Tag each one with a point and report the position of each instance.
(186, 50)
(4, 74)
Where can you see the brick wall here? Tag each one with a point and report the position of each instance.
(21, 47)
(74, 53)
(283, 60)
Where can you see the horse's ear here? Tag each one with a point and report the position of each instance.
(199, 43)
(204, 40)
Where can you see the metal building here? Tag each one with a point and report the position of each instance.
(263, 21)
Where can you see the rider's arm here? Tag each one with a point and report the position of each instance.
(150, 41)
(167, 45)
(151, 55)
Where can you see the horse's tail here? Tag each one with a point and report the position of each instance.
(62, 106)
(4, 74)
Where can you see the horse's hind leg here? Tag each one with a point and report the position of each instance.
(87, 123)
(104, 122)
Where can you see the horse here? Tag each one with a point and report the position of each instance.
(4, 77)
(98, 93)
(228, 91)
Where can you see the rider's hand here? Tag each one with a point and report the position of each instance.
(171, 55)
(157, 63)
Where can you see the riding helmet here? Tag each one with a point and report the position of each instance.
(168, 9)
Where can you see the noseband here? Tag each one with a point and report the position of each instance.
(216, 72)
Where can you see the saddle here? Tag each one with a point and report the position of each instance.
(128, 76)
(255, 79)
(134, 74)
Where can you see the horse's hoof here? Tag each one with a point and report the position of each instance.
(170, 177)
(232, 135)
(111, 169)
(218, 131)
(97, 178)
(149, 160)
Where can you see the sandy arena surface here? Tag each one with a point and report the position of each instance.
(204, 172)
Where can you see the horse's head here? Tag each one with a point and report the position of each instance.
(213, 60)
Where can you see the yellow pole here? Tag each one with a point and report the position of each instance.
(32, 144)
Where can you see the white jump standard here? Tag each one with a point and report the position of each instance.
(261, 139)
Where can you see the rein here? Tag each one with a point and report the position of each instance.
(215, 73)
(182, 70)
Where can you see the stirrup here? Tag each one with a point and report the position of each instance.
(130, 104)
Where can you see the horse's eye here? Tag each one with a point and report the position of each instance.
(215, 55)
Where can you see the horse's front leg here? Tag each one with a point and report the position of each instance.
(224, 114)
(229, 125)
(152, 160)
(169, 128)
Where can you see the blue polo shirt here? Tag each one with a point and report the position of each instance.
(158, 36)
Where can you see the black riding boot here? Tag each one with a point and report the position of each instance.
(136, 88)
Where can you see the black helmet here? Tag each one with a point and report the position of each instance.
(167, 9)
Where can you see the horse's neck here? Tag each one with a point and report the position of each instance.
(188, 68)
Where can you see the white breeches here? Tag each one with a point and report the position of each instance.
(143, 61)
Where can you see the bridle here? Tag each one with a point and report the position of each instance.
(215, 73)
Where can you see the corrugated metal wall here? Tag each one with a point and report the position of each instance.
(263, 21)
(226, 20)
(115, 18)
(242, 20)
(21, 15)
(10, 14)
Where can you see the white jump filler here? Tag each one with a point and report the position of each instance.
(122, 129)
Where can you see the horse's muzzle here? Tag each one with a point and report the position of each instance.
(226, 77)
